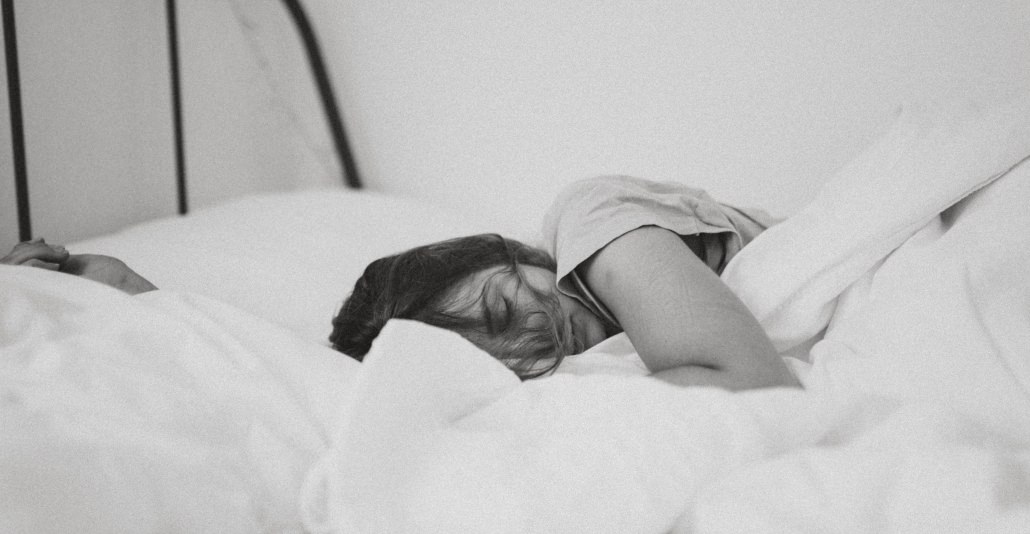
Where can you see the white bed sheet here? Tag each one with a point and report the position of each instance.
(290, 258)
(199, 407)
(214, 406)
(916, 416)
(165, 412)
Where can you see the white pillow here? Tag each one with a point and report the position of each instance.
(290, 258)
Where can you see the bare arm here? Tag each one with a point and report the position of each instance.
(687, 326)
(104, 269)
(107, 270)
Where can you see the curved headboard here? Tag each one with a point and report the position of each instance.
(319, 72)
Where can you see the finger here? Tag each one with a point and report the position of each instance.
(35, 250)
(49, 253)
(42, 265)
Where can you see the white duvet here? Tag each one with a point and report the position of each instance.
(176, 412)
(915, 418)
(159, 413)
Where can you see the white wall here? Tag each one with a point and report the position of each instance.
(252, 119)
(500, 103)
(484, 104)
(96, 125)
(97, 107)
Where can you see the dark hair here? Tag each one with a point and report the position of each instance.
(421, 284)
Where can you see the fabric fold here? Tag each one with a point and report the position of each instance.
(932, 157)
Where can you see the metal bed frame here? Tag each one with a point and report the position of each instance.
(319, 72)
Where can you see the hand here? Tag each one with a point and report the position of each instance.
(36, 253)
(107, 270)
(104, 269)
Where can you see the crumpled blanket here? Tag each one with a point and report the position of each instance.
(909, 277)
(910, 269)
(165, 412)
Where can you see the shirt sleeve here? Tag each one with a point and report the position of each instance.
(589, 214)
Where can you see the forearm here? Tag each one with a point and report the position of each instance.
(103, 269)
(133, 284)
(731, 379)
(686, 325)
(730, 351)
(690, 375)
(108, 271)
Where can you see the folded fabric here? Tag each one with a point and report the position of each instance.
(915, 418)
(932, 157)
(440, 437)
(163, 411)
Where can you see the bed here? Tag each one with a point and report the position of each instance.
(900, 295)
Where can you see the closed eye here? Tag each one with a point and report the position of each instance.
(499, 318)
(508, 313)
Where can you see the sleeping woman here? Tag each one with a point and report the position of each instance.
(624, 255)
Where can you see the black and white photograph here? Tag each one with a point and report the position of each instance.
(523, 267)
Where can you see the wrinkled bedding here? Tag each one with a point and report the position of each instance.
(907, 277)
(165, 412)
(901, 295)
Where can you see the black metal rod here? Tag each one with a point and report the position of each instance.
(21, 177)
(180, 145)
(325, 91)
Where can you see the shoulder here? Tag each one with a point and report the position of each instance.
(584, 201)
(620, 187)
(588, 214)
(625, 192)
(603, 197)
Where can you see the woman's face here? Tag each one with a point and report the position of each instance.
(585, 327)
